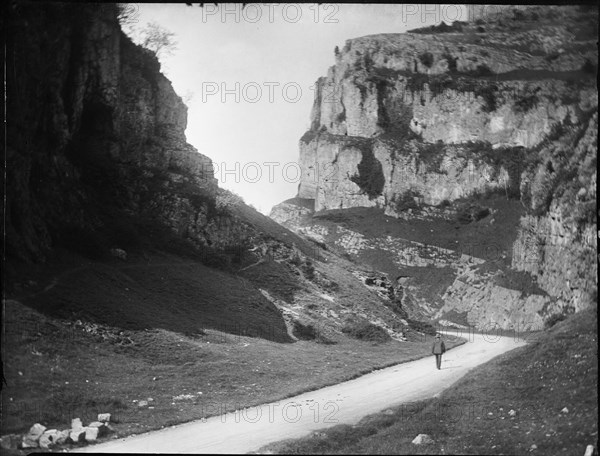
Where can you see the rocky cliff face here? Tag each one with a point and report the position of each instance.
(447, 113)
(96, 139)
(398, 96)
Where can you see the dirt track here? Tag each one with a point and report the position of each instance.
(248, 430)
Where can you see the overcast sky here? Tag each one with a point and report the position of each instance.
(274, 53)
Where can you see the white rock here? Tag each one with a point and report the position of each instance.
(142, 403)
(91, 433)
(511, 412)
(76, 424)
(62, 436)
(48, 438)
(564, 410)
(422, 439)
(119, 253)
(589, 450)
(102, 428)
(104, 417)
(77, 435)
(31, 439)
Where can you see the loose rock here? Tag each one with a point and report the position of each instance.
(105, 417)
(62, 437)
(77, 436)
(31, 439)
(119, 253)
(102, 428)
(423, 439)
(48, 438)
(91, 433)
(76, 424)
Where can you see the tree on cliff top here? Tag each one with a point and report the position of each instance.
(158, 39)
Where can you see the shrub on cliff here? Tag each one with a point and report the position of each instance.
(554, 319)
(158, 39)
(426, 59)
(471, 213)
(303, 332)
(442, 27)
(421, 326)
(406, 201)
(526, 103)
(488, 94)
(362, 329)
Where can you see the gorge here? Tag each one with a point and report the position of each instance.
(448, 181)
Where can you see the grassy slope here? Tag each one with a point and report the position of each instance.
(442, 232)
(490, 238)
(558, 369)
(161, 292)
(271, 228)
(155, 317)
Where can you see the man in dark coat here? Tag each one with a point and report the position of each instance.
(438, 349)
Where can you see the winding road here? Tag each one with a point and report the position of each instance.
(248, 430)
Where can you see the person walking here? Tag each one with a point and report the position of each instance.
(438, 349)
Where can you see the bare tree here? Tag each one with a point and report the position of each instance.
(158, 39)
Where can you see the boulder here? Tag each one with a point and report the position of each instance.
(102, 428)
(77, 436)
(423, 439)
(119, 253)
(31, 439)
(105, 417)
(91, 433)
(62, 437)
(76, 424)
(48, 438)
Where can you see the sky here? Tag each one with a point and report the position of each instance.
(251, 74)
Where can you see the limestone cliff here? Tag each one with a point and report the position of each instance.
(407, 97)
(97, 154)
(445, 114)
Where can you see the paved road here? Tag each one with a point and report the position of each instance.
(248, 430)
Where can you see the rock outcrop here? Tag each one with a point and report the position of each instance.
(109, 141)
(416, 109)
(447, 113)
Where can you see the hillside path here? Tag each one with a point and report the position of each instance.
(345, 403)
